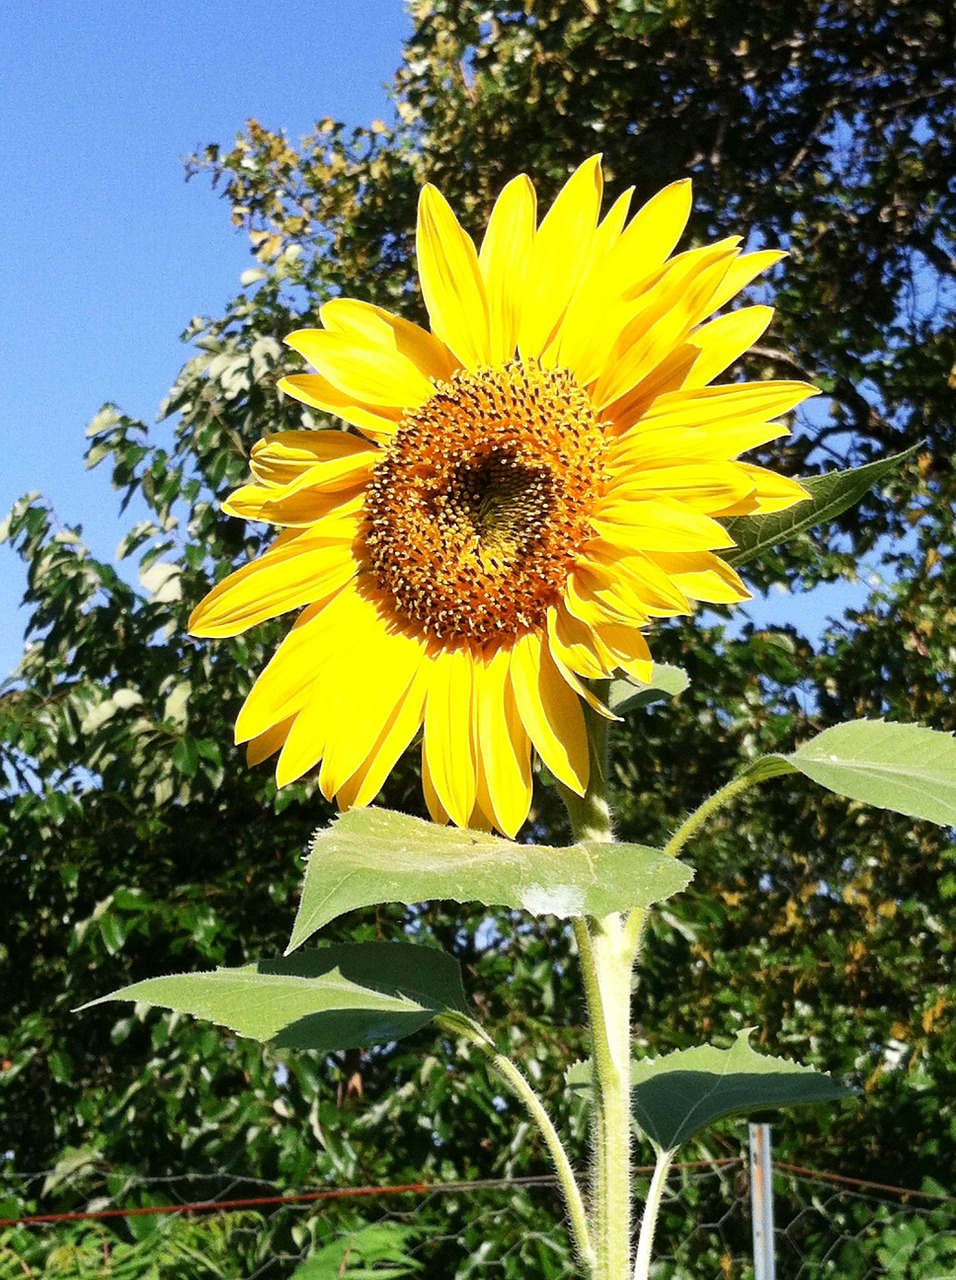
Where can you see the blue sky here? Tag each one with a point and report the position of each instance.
(106, 252)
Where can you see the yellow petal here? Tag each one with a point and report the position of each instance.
(482, 816)
(361, 373)
(590, 603)
(741, 402)
(284, 578)
(349, 623)
(448, 750)
(281, 458)
(562, 250)
(286, 683)
(301, 509)
(771, 493)
(576, 645)
(305, 743)
(614, 594)
(669, 375)
(351, 457)
(374, 672)
(436, 809)
(504, 260)
(670, 446)
(609, 229)
(394, 736)
(623, 599)
(658, 525)
(550, 712)
(581, 689)
(702, 576)
(704, 486)
(634, 580)
(377, 421)
(451, 281)
(375, 327)
(630, 651)
(672, 278)
(724, 340)
(675, 306)
(604, 302)
(268, 743)
(655, 229)
(504, 748)
(747, 267)
(333, 486)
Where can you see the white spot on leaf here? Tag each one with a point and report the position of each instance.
(561, 900)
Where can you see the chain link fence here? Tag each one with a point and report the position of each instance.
(121, 1227)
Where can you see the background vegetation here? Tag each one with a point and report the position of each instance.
(134, 840)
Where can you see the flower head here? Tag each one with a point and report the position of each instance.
(518, 493)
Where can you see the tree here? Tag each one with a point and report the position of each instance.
(828, 129)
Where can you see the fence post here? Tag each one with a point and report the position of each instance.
(761, 1202)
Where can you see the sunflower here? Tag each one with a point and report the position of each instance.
(517, 494)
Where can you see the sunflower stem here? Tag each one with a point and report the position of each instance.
(607, 958)
(691, 825)
(503, 1066)
(652, 1209)
(590, 814)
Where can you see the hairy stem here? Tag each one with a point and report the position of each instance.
(606, 962)
(503, 1066)
(690, 826)
(652, 1208)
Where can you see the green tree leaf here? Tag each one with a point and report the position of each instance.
(376, 1252)
(330, 998)
(370, 856)
(904, 767)
(678, 1095)
(830, 495)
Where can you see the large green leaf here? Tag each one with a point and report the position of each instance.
(830, 495)
(676, 1096)
(903, 767)
(373, 855)
(329, 998)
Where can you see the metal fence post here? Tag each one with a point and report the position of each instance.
(761, 1202)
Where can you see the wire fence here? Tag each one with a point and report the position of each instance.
(192, 1227)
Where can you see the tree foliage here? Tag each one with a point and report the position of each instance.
(134, 839)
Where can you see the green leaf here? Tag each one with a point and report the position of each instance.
(369, 856)
(767, 767)
(336, 997)
(830, 495)
(185, 756)
(376, 1252)
(903, 767)
(666, 682)
(676, 1096)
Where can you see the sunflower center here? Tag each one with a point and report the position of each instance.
(480, 504)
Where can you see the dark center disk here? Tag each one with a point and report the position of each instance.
(477, 510)
(505, 502)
